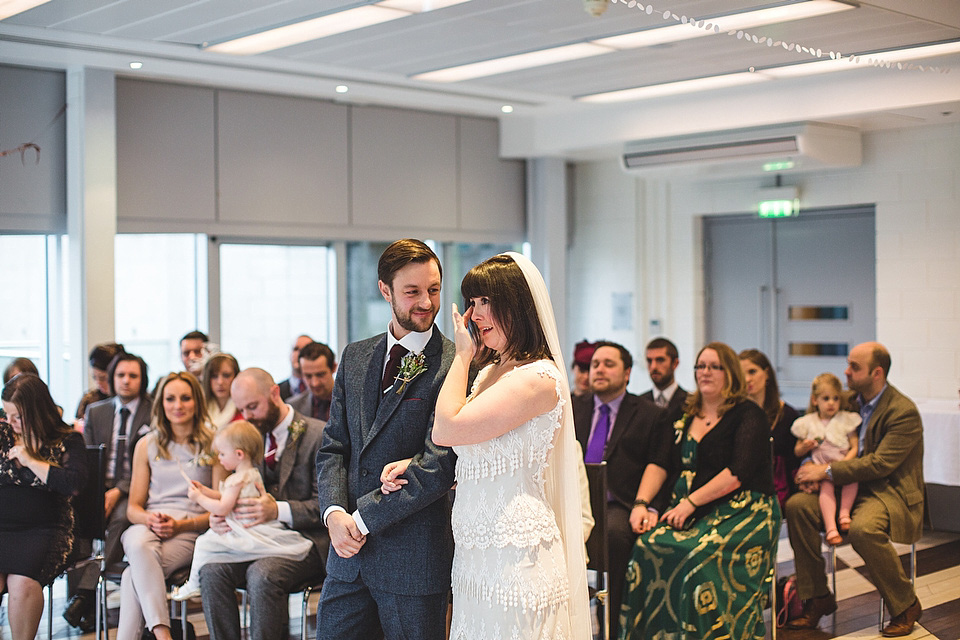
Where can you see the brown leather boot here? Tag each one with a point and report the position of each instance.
(813, 610)
(902, 623)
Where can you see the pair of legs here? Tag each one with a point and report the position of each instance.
(828, 509)
(869, 536)
(356, 611)
(620, 542)
(268, 581)
(143, 595)
(24, 606)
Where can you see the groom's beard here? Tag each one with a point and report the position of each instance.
(406, 320)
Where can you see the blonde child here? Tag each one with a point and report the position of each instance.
(239, 446)
(828, 434)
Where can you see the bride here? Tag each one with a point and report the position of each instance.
(518, 567)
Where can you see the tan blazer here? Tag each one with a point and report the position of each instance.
(890, 466)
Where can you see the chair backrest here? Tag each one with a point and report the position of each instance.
(89, 520)
(597, 542)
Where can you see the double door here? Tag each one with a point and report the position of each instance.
(802, 290)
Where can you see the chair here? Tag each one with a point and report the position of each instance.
(913, 578)
(597, 543)
(90, 523)
(306, 589)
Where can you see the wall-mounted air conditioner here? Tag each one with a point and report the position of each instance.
(807, 146)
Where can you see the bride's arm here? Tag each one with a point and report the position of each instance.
(503, 406)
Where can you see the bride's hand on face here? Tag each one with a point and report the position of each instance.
(461, 333)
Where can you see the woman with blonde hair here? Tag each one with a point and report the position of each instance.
(164, 522)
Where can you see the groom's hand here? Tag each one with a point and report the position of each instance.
(344, 534)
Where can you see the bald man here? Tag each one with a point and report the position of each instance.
(291, 441)
(889, 504)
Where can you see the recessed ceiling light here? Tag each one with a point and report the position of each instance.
(506, 108)
(136, 65)
(342, 88)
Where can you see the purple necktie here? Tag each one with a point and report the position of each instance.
(598, 440)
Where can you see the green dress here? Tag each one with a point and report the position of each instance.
(709, 581)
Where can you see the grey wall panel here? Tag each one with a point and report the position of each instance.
(32, 194)
(165, 152)
(492, 191)
(282, 160)
(404, 169)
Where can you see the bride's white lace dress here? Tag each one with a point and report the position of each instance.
(509, 573)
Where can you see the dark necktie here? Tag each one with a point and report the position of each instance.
(121, 451)
(393, 366)
(316, 408)
(270, 455)
(598, 440)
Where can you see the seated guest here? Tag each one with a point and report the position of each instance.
(164, 522)
(889, 505)
(18, 366)
(582, 352)
(699, 570)
(763, 389)
(42, 464)
(317, 368)
(294, 384)
(117, 423)
(289, 477)
(100, 358)
(624, 430)
(192, 347)
(662, 361)
(218, 375)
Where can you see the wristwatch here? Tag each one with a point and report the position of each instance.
(829, 473)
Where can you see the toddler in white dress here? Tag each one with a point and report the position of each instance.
(828, 434)
(239, 446)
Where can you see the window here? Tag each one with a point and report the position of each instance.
(269, 295)
(161, 294)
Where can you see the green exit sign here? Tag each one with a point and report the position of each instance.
(777, 208)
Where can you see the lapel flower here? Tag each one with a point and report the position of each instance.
(296, 429)
(412, 365)
(678, 427)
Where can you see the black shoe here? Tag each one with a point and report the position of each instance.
(80, 606)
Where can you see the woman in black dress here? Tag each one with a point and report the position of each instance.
(42, 464)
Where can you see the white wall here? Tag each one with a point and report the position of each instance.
(643, 235)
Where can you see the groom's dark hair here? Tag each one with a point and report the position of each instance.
(400, 254)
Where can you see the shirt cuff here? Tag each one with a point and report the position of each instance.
(360, 523)
(331, 509)
(284, 514)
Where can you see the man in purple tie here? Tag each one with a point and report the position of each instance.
(624, 430)
(317, 368)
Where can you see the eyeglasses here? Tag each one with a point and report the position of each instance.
(707, 367)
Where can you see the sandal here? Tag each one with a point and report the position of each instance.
(833, 537)
(844, 522)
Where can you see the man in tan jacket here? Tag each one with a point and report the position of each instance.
(889, 504)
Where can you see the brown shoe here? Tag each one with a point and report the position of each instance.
(902, 624)
(813, 610)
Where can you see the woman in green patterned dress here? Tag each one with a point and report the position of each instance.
(700, 570)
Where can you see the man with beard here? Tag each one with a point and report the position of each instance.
(662, 361)
(889, 506)
(291, 441)
(388, 570)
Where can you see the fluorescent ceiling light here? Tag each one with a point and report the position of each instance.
(328, 25)
(786, 71)
(674, 88)
(637, 39)
(516, 62)
(13, 7)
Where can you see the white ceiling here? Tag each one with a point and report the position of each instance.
(378, 61)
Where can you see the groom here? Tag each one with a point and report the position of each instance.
(390, 557)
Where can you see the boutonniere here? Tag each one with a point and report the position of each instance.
(412, 365)
(679, 426)
(296, 429)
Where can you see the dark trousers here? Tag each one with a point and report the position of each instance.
(86, 576)
(353, 610)
(620, 542)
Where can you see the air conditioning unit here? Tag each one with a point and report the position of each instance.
(807, 146)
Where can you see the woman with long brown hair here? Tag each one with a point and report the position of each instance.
(164, 522)
(42, 464)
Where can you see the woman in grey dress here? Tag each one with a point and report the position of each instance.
(164, 522)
